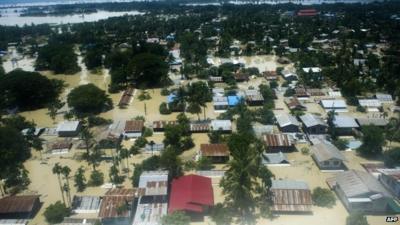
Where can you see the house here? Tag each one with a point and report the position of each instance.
(86, 204)
(133, 128)
(126, 97)
(192, 194)
(289, 76)
(274, 159)
(254, 98)
(344, 125)
(60, 147)
(312, 70)
(221, 125)
(313, 124)
(384, 98)
(15, 222)
(19, 207)
(315, 92)
(294, 104)
(159, 125)
(216, 79)
(301, 93)
(68, 128)
(261, 129)
(334, 105)
(217, 153)
(200, 126)
(287, 123)
(327, 156)
(117, 206)
(379, 122)
(390, 178)
(371, 105)
(360, 192)
(152, 204)
(270, 75)
(291, 196)
(220, 103)
(278, 142)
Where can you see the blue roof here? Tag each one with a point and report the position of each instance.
(233, 100)
(170, 98)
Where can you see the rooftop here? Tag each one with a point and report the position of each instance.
(66, 126)
(310, 120)
(274, 158)
(115, 198)
(190, 193)
(342, 121)
(285, 119)
(356, 183)
(324, 150)
(214, 150)
(277, 140)
(134, 126)
(333, 104)
(18, 204)
(291, 196)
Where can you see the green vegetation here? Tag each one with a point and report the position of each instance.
(392, 157)
(356, 219)
(80, 180)
(96, 178)
(56, 212)
(89, 99)
(323, 197)
(58, 57)
(27, 90)
(176, 218)
(372, 141)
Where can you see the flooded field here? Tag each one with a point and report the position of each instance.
(11, 18)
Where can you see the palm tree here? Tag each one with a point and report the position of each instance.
(87, 137)
(393, 130)
(57, 170)
(181, 98)
(66, 171)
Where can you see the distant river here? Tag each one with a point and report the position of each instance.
(11, 18)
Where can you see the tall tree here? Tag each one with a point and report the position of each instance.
(66, 171)
(57, 169)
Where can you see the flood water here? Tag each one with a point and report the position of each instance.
(11, 17)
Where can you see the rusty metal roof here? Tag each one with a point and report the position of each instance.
(214, 150)
(277, 140)
(115, 198)
(134, 126)
(197, 127)
(160, 124)
(18, 204)
(291, 196)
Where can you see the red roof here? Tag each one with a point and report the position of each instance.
(191, 193)
(307, 12)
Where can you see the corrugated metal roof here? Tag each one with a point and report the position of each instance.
(113, 199)
(285, 119)
(290, 196)
(221, 125)
(356, 183)
(210, 150)
(393, 173)
(384, 98)
(18, 204)
(134, 126)
(86, 203)
(342, 121)
(67, 126)
(325, 150)
(274, 158)
(310, 120)
(277, 140)
(154, 182)
(333, 104)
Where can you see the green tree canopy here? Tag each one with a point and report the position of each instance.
(392, 157)
(372, 141)
(148, 70)
(58, 57)
(56, 212)
(323, 197)
(28, 90)
(176, 218)
(356, 219)
(89, 99)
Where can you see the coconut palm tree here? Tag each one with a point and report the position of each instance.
(57, 170)
(66, 171)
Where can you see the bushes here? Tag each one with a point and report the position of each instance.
(164, 110)
(56, 212)
(96, 178)
(98, 121)
(165, 92)
(356, 219)
(144, 96)
(89, 99)
(323, 197)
